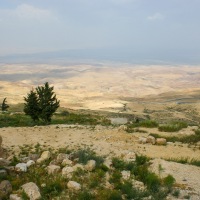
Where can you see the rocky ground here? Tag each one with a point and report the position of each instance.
(112, 141)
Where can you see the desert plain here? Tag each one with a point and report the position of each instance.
(162, 93)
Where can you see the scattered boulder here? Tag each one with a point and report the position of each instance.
(90, 166)
(30, 163)
(21, 167)
(142, 140)
(67, 171)
(72, 185)
(122, 128)
(108, 163)
(15, 197)
(161, 141)
(66, 162)
(126, 174)
(45, 156)
(32, 190)
(61, 157)
(53, 169)
(5, 188)
(151, 139)
(138, 185)
(130, 156)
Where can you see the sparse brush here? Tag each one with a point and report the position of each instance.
(173, 126)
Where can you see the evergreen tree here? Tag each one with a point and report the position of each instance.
(31, 107)
(48, 102)
(4, 105)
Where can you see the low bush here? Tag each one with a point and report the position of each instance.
(173, 126)
(191, 139)
(84, 155)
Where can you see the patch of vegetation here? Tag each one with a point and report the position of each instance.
(191, 139)
(186, 160)
(84, 155)
(173, 126)
(145, 123)
(93, 183)
(21, 120)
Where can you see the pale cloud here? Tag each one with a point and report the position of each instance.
(155, 16)
(27, 12)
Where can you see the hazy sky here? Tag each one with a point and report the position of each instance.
(143, 25)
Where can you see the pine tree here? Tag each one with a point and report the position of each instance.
(4, 105)
(42, 103)
(48, 102)
(31, 107)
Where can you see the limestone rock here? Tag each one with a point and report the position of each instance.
(161, 141)
(151, 139)
(30, 163)
(21, 167)
(53, 169)
(1, 140)
(61, 157)
(66, 162)
(72, 185)
(67, 171)
(142, 140)
(5, 188)
(90, 166)
(108, 163)
(138, 185)
(126, 175)
(32, 190)
(130, 156)
(15, 197)
(45, 156)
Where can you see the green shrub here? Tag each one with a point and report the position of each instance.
(191, 139)
(153, 182)
(84, 155)
(176, 193)
(85, 195)
(144, 123)
(173, 126)
(169, 181)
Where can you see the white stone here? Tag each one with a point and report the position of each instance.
(151, 139)
(21, 167)
(45, 156)
(126, 174)
(66, 162)
(90, 166)
(61, 157)
(67, 171)
(30, 163)
(138, 185)
(108, 163)
(161, 141)
(32, 191)
(130, 156)
(53, 169)
(15, 197)
(72, 185)
(142, 140)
